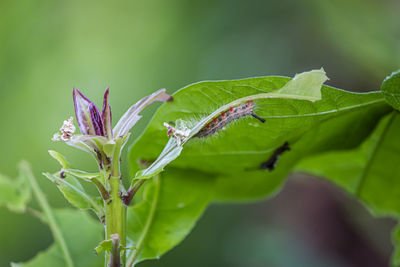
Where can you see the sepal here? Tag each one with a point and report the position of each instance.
(129, 119)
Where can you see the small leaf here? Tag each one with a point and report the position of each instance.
(76, 194)
(60, 158)
(129, 119)
(97, 179)
(391, 89)
(84, 175)
(105, 245)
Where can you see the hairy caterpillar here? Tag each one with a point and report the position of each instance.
(227, 117)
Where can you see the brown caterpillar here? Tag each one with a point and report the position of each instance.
(227, 117)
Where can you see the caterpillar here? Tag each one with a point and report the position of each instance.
(226, 117)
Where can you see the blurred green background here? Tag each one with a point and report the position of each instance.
(135, 47)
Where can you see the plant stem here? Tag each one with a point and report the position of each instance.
(44, 205)
(115, 218)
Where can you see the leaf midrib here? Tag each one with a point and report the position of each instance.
(291, 116)
(200, 124)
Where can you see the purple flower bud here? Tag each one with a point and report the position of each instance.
(106, 115)
(87, 115)
(96, 120)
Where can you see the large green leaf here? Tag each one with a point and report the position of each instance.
(204, 101)
(310, 118)
(247, 142)
(81, 234)
(172, 203)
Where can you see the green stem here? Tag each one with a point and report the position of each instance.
(115, 208)
(115, 218)
(44, 205)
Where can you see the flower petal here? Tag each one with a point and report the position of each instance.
(106, 116)
(87, 115)
(129, 119)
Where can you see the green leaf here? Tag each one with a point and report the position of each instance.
(225, 94)
(60, 158)
(293, 113)
(81, 234)
(171, 204)
(15, 193)
(246, 143)
(368, 172)
(74, 192)
(391, 89)
(341, 132)
(105, 245)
